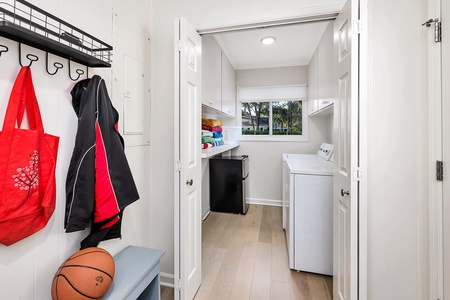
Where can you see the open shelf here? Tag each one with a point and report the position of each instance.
(323, 112)
(209, 152)
(30, 25)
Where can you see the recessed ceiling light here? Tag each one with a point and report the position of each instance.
(268, 40)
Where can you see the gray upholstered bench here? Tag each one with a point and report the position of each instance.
(137, 274)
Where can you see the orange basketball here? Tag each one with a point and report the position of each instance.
(87, 274)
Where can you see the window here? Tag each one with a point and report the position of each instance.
(275, 113)
(272, 118)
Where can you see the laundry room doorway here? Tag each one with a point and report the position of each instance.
(181, 236)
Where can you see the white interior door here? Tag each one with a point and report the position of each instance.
(188, 189)
(345, 189)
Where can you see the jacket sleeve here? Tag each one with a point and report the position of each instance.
(80, 181)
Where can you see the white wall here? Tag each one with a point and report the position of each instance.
(27, 267)
(272, 76)
(397, 174)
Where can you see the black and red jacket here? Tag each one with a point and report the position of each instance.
(99, 181)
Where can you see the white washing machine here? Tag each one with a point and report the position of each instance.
(325, 152)
(308, 210)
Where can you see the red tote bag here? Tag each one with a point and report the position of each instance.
(27, 166)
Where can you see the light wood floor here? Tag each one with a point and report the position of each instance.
(245, 257)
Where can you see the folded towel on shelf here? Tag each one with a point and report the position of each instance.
(218, 143)
(211, 122)
(218, 139)
(207, 133)
(216, 134)
(207, 145)
(213, 129)
(207, 139)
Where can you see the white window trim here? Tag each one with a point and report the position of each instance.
(294, 94)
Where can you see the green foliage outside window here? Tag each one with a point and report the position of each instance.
(286, 117)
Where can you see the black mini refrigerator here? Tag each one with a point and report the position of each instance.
(228, 184)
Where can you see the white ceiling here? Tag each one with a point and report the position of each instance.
(294, 45)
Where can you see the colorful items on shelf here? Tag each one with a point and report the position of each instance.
(211, 133)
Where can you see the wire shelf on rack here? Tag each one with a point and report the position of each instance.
(28, 24)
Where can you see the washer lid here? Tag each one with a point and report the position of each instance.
(287, 156)
(325, 152)
(310, 166)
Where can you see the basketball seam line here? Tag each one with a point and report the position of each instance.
(88, 267)
(68, 281)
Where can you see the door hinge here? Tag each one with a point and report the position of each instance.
(179, 45)
(178, 165)
(439, 170)
(357, 174)
(358, 26)
(438, 32)
(179, 285)
(437, 28)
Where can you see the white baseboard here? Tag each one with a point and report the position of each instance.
(167, 279)
(205, 213)
(268, 202)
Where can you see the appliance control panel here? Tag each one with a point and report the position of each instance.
(325, 151)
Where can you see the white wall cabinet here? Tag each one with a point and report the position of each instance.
(228, 87)
(312, 84)
(325, 66)
(211, 73)
(321, 85)
(219, 78)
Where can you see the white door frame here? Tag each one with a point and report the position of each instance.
(363, 231)
(294, 16)
(324, 12)
(436, 283)
(435, 153)
(176, 167)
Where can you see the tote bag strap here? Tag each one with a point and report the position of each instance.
(33, 111)
(23, 96)
(17, 101)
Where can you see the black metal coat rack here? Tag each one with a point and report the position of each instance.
(30, 25)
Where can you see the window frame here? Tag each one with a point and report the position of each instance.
(277, 138)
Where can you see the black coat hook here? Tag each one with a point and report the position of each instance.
(31, 57)
(57, 65)
(78, 71)
(3, 49)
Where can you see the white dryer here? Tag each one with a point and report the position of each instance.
(308, 210)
